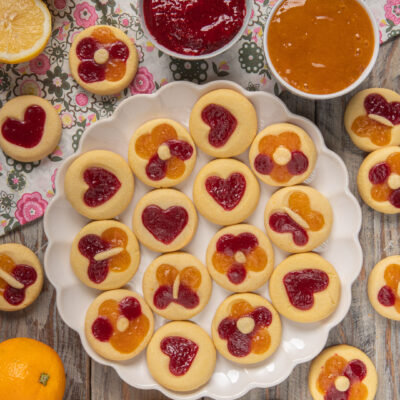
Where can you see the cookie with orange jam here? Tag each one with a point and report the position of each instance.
(246, 328)
(118, 324)
(103, 59)
(342, 372)
(162, 153)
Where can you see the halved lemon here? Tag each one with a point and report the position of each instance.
(25, 28)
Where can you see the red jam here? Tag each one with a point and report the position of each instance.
(130, 308)
(102, 329)
(23, 274)
(379, 173)
(376, 104)
(194, 27)
(187, 297)
(386, 296)
(282, 223)
(26, 133)
(298, 164)
(181, 352)
(263, 164)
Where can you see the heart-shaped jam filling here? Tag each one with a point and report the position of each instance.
(281, 222)
(388, 294)
(376, 104)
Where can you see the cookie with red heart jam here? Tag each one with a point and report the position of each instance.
(282, 155)
(176, 286)
(246, 328)
(164, 220)
(162, 153)
(342, 372)
(99, 184)
(181, 356)
(21, 277)
(30, 128)
(298, 218)
(118, 324)
(225, 191)
(103, 59)
(240, 258)
(305, 288)
(223, 123)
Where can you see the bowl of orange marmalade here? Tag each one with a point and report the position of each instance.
(321, 49)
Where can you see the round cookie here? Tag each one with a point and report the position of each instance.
(103, 59)
(164, 220)
(105, 255)
(118, 324)
(305, 288)
(240, 258)
(162, 153)
(384, 287)
(181, 356)
(342, 372)
(225, 191)
(282, 155)
(246, 328)
(21, 277)
(176, 286)
(99, 184)
(298, 218)
(378, 180)
(372, 119)
(223, 123)
(30, 128)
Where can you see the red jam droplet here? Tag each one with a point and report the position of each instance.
(298, 164)
(376, 104)
(90, 72)
(262, 317)
(156, 168)
(237, 273)
(119, 51)
(379, 173)
(263, 164)
(386, 296)
(394, 198)
(86, 48)
(356, 371)
(102, 329)
(334, 394)
(187, 297)
(23, 274)
(130, 308)
(230, 244)
(180, 149)
(283, 223)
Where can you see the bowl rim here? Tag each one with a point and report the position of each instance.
(327, 96)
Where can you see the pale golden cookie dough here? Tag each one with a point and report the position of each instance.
(325, 301)
(279, 202)
(139, 164)
(105, 87)
(208, 206)
(114, 279)
(164, 199)
(75, 187)
(15, 109)
(105, 348)
(282, 155)
(185, 265)
(254, 278)
(240, 107)
(202, 366)
(11, 255)
(342, 383)
(245, 325)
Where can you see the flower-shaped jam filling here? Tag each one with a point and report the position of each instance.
(106, 252)
(177, 286)
(245, 329)
(14, 279)
(103, 57)
(280, 157)
(165, 152)
(235, 255)
(342, 380)
(297, 219)
(121, 324)
(389, 295)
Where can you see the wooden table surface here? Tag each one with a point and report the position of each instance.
(362, 327)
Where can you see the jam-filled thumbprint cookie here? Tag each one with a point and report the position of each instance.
(176, 286)
(164, 220)
(298, 218)
(103, 59)
(181, 356)
(223, 123)
(21, 277)
(282, 155)
(240, 258)
(118, 324)
(342, 372)
(30, 128)
(225, 191)
(162, 153)
(99, 184)
(105, 255)
(246, 328)
(305, 288)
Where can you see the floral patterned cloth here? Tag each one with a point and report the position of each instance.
(27, 188)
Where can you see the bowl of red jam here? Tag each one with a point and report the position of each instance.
(194, 29)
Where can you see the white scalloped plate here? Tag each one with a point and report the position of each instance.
(300, 342)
